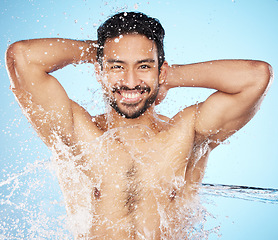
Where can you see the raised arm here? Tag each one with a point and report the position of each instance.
(41, 97)
(241, 86)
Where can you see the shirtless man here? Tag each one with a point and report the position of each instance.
(129, 173)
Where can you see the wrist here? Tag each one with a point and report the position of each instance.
(171, 77)
(88, 51)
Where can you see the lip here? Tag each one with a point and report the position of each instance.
(131, 96)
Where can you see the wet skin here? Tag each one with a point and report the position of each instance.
(131, 173)
(131, 176)
(130, 70)
(132, 166)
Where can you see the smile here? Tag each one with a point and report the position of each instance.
(131, 96)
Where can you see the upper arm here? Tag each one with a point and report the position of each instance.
(40, 95)
(222, 114)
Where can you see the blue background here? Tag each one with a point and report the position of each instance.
(196, 30)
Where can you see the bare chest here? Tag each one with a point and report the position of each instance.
(129, 171)
(122, 185)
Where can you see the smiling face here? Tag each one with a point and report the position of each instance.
(130, 75)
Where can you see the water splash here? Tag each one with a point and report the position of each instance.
(30, 210)
(264, 195)
(31, 206)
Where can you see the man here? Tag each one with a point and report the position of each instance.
(131, 173)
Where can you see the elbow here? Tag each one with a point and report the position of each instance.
(14, 57)
(266, 73)
(262, 75)
(9, 57)
(14, 52)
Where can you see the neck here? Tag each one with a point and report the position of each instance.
(114, 120)
(148, 124)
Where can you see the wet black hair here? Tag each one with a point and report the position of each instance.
(131, 22)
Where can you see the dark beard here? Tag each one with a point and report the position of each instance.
(133, 114)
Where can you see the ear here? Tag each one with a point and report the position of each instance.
(98, 71)
(163, 72)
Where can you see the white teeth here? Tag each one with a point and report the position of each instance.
(130, 95)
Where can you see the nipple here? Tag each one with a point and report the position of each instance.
(173, 195)
(96, 193)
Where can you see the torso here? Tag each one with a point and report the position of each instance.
(127, 188)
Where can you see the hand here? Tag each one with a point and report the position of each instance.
(161, 94)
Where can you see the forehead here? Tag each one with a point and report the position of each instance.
(130, 46)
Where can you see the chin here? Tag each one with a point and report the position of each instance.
(134, 113)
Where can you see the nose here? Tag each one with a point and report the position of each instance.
(131, 79)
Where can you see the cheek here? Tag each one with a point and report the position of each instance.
(153, 81)
(150, 78)
(108, 79)
(104, 79)
(113, 78)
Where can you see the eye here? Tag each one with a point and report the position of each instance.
(116, 67)
(145, 66)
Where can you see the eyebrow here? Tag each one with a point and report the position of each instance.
(115, 61)
(147, 60)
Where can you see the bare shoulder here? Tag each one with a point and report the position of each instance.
(164, 118)
(85, 126)
(180, 128)
(186, 117)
